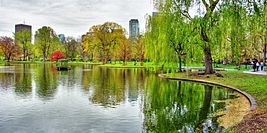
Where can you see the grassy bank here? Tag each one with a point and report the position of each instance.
(255, 85)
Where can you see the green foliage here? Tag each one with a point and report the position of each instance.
(23, 38)
(102, 40)
(46, 40)
(70, 47)
(232, 30)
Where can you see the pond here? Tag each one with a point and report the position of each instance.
(38, 98)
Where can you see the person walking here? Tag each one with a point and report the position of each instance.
(262, 65)
(254, 64)
(257, 64)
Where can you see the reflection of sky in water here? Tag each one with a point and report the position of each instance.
(37, 98)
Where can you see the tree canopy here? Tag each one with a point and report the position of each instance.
(46, 40)
(219, 24)
(103, 40)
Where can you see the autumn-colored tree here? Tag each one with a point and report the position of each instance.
(103, 39)
(87, 46)
(124, 50)
(8, 47)
(46, 40)
(82, 50)
(57, 55)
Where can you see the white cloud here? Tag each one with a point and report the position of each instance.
(71, 17)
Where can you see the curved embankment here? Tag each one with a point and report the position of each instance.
(248, 96)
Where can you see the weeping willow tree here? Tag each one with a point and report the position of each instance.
(234, 27)
(169, 38)
(208, 26)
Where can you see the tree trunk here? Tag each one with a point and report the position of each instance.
(180, 63)
(206, 105)
(8, 59)
(208, 60)
(24, 54)
(207, 53)
(264, 56)
(103, 61)
(44, 57)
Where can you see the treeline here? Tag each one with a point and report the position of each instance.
(46, 41)
(108, 43)
(229, 31)
(233, 31)
(105, 43)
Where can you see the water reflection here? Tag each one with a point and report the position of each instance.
(181, 106)
(46, 81)
(23, 80)
(7, 80)
(122, 100)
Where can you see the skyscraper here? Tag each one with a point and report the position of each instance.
(62, 38)
(134, 28)
(21, 27)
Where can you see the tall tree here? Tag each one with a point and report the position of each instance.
(208, 19)
(87, 46)
(171, 36)
(70, 47)
(138, 52)
(104, 38)
(46, 39)
(23, 38)
(124, 50)
(8, 47)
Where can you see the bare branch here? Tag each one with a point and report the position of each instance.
(205, 4)
(186, 14)
(213, 5)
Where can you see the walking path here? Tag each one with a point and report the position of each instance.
(257, 72)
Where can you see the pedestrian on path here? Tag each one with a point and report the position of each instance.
(261, 66)
(257, 65)
(254, 64)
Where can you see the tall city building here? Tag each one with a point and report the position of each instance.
(21, 27)
(134, 28)
(62, 38)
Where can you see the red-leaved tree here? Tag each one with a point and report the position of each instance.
(8, 48)
(57, 55)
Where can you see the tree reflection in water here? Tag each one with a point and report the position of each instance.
(23, 86)
(156, 105)
(46, 81)
(175, 106)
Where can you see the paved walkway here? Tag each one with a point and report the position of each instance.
(257, 72)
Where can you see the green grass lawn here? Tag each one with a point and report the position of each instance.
(255, 85)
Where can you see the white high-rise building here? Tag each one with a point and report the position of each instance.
(134, 28)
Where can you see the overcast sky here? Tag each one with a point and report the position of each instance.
(71, 17)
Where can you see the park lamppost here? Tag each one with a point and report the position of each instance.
(265, 45)
(265, 40)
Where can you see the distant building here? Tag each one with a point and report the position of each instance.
(134, 28)
(21, 27)
(62, 38)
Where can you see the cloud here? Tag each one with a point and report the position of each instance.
(71, 17)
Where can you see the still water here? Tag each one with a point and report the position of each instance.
(37, 98)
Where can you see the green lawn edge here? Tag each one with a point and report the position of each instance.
(255, 85)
